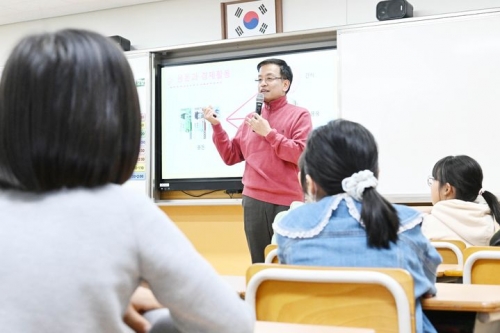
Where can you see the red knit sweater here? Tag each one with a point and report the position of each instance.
(271, 162)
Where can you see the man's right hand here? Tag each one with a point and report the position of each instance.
(210, 116)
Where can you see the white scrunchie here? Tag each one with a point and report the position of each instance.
(356, 184)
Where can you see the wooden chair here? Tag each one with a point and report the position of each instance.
(271, 254)
(424, 209)
(381, 299)
(450, 250)
(482, 265)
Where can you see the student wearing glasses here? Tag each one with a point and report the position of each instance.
(457, 212)
(270, 144)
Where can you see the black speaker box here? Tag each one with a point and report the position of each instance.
(123, 42)
(394, 9)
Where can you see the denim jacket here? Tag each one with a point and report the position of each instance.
(330, 233)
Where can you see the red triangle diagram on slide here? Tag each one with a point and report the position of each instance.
(237, 116)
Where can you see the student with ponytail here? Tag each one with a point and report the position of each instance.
(348, 223)
(456, 191)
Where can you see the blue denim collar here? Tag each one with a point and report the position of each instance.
(310, 219)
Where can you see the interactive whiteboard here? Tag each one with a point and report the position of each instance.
(187, 151)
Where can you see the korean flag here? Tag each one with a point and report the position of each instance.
(251, 18)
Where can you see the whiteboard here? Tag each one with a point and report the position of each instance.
(426, 89)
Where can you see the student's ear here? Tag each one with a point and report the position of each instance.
(311, 186)
(449, 191)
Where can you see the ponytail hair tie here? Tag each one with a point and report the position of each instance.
(481, 191)
(358, 182)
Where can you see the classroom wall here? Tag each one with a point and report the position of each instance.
(174, 22)
(217, 232)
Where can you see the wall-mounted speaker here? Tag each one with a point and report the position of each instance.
(394, 9)
(123, 42)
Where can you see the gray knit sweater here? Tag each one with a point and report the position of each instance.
(71, 259)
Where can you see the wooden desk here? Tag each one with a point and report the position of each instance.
(483, 299)
(450, 270)
(464, 297)
(269, 327)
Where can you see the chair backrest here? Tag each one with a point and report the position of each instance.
(495, 240)
(482, 265)
(381, 299)
(271, 254)
(423, 209)
(450, 250)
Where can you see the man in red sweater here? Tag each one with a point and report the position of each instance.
(271, 144)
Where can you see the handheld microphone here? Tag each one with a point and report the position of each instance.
(259, 101)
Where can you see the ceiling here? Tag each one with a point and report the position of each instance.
(12, 11)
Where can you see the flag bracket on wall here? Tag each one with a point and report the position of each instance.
(251, 18)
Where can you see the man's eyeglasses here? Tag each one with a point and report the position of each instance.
(430, 180)
(268, 79)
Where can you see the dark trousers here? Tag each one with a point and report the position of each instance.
(258, 217)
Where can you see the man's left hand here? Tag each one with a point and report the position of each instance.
(258, 124)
